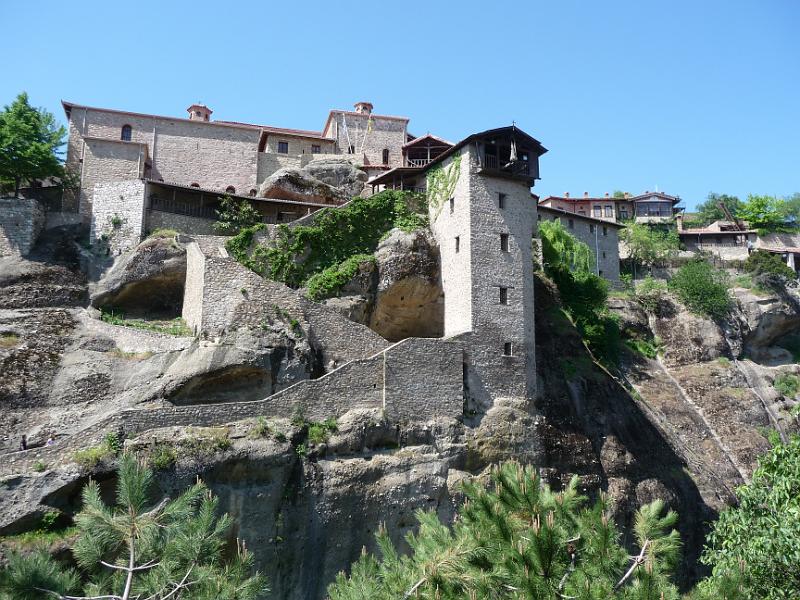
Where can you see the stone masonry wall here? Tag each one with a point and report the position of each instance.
(233, 293)
(156, 219)
(385, 132)
(118, 214)
(21, 221)
(298, 145)
(107, 161)
(603, 241)
(192, 311)
(269, 162)
(413, 380)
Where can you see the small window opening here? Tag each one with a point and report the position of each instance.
(351, 149)
(571, 224)
(604, 254)
(458, 243)
(501, 200)
(127, 131)
(591, 228)
(316, 149)
(230, 190)
(252, 192)
(504, 242)
(507, 349)
(386, 156)
(283, 147)
(503, 295)
(452, 205)
(605, 230)
(195, 185)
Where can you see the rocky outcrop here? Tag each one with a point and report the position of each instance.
(339, 173)
(325, 182)
(148, 280)
(400, 294)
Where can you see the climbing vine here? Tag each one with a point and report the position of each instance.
(441, 183)
(335, 235)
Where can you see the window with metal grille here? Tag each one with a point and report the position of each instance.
(127, 131)
(283, 147)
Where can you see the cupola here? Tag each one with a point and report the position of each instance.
(199, 112)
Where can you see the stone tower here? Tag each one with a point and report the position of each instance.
(483, 216)
(199, 112)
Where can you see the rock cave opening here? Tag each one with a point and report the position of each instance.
(232, 384)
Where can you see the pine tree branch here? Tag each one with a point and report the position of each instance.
(637, 561)
(63, 597)
(148, 565)
(178, 586)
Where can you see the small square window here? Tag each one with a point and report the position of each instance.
(458, 243)
(316, 149)
(504, 242)
(501, 200)
(507, 349)
(452, 205)
(572, 224)
(283, 147)
(503, 295)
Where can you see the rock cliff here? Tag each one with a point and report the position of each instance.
(686, 427)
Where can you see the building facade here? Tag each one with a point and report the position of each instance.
(649, 207)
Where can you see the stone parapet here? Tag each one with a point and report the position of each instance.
(21, 221)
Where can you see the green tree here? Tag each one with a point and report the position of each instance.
(29, 143)
(702, 288)
(235, 215)
(569, 263)
(792, 204)
(137, 550)
(709, 211)
(758, 541)
(762, 262)
(515, 539)
(619, 194)
(649, 246)
(764, 213)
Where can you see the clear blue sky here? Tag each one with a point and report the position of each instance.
(689, 96)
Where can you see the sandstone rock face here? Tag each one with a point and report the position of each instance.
(340, 173)
(399, 296)
(148, 280)
(324, 181)
(688, 338)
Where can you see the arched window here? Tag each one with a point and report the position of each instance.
(386, 156)
(195, 185)
(125, 136)
(230, 190)
(253, 192)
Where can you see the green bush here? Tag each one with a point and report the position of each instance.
(787, 384)
(163, 457)
(335, 235)
(761, 262)
(91, 457)
(650, 293)
(702, 288)
(319, 432)
(328, 282)
(235, 215)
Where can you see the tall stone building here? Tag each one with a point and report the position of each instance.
(484, 217)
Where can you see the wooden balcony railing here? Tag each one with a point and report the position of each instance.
(517, 167)
(177, 207)
(418, 162)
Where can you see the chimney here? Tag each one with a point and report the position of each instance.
(199, 112)
(606, 194)
(585, 194)
(627, 194)
(679, 221)
(363, 108)
(566, 194)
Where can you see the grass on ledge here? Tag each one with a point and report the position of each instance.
(175, 326)
(8, 340)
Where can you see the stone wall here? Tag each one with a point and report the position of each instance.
(156, 219)
(192, 311)
(723, 249)
(118, 215)
(298, 145)
(385, 132)
(106, 161)
(413, 380)
(21, 221)
(233, 293)
(213, 155)
(602, 239)
(269, 162)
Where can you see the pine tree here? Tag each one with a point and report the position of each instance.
(517, 539)
(139, 551)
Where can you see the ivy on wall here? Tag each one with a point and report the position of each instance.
(330, 246)
(441, 184)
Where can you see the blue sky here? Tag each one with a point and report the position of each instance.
(690, 97)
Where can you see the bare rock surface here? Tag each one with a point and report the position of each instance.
(328, 181)
(148, 280)
(339, 173)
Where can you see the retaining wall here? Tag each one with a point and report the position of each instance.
(21, 221)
